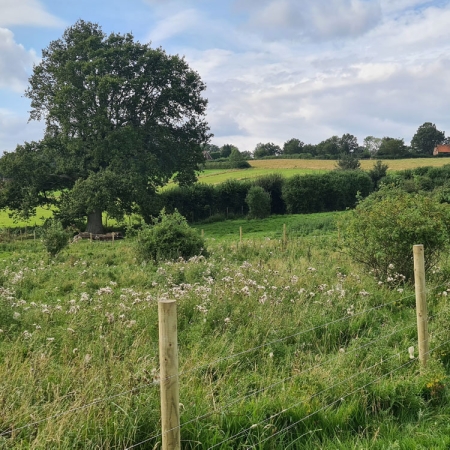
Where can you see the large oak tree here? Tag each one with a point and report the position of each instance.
(121, 119)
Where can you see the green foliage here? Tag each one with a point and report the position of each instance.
(169, 238)
(121, 120)
(273, 184)
(293, 147)
(267, 149)
(54, 236)
(348, 161)
(381, 231)
(378, 172)
(392, 148)
(426, 138)
(332, 191)
(258, 201)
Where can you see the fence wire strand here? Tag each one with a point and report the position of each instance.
(322, 391)
(343, 397)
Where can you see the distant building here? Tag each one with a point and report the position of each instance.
(443, 149)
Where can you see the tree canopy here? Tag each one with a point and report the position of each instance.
(426, 138)
(121, 120)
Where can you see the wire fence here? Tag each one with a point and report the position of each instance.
(238, 400)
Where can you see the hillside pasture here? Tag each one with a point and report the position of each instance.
(281, 347)
(291, 167)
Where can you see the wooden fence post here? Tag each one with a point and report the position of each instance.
(168, 361)
(421, 303)
(240, 235)
(284, 236)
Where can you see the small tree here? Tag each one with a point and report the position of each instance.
(258, 201)
(347, 161)
(170, 237)
(381, 231)
(378, 172)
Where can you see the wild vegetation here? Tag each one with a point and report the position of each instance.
(282, 345)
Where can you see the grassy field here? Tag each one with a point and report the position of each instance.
(281, 346)
(291, 167)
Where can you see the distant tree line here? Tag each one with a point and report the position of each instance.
(422, 145)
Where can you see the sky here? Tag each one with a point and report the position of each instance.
(274, 69)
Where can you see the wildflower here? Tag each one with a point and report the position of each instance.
(71, 330)
(27, 334)
(271, 355)
(391, 266)
(50, 339)
(411, 352)
(227, 320)
(16, 315)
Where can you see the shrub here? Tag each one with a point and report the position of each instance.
(378, 172)
(54, 236)
(273, 184)
(170, 237)
(382, 230)
(258, 201)
(348, 162)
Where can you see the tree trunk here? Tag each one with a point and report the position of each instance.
(94, 223)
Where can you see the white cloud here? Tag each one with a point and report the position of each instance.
(320, 19)
(14, 130)
(26, 12)
(15, 62)
(176, 24)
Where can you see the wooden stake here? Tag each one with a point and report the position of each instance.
(240, 235)
(90, 237)
(284, 236)
(203, 233)
(168, 361)
(421, 303)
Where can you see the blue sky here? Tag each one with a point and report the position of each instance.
(274, 70)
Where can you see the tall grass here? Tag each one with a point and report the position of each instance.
(280, 347)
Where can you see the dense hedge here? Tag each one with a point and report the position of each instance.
(332, 191)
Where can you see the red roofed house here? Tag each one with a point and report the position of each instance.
(441, 150)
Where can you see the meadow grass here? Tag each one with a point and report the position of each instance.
(281, 346)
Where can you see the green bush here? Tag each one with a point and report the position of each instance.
(54, 236)
(381, 231)
(170, 237)
(258, 201)
(273, 184)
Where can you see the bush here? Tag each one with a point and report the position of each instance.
(348, 162)
(381, 231)
(273, 184)
(170, 237)
(258, 201)
(54, 236)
